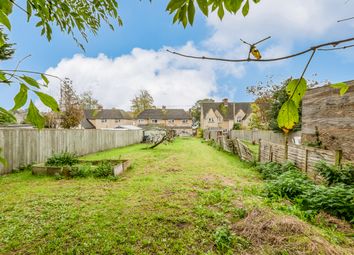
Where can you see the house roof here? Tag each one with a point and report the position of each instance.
(107, 114)
(176, 114)
(228, 112)
(245, 107)
(86, 124)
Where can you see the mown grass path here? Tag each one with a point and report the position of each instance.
(181, 198)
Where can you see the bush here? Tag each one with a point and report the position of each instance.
(62, 159)
(336, 174)
(104, 169)
(272, 170)
(290, 184)
(81, 170)
(337, 200)
(237, 126)
(223, 239)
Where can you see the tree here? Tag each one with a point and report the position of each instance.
(142, 102)
(196, 108)
(88, 102)
(71, 110)
(269, 99)
(257, 119)
(51, 119)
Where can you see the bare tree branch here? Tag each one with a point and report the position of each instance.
(316, 47)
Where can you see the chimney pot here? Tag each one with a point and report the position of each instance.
(225, 101)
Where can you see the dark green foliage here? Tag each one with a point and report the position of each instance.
(6, 50)
(337, 200)
(290, 184)
(104, 169)
(336, 174)
(272, 170)
(81, 171)
(223, 239)
(62, 159)
(237, 126)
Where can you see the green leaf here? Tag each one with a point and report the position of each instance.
(49, 101)
(21, 98)
(5, 20)
(6, 116)
(288, 116)
(2, 40)
(221, 11)
(34, 116)
(246, 8)
(2, 77)
(30, 81)
(45, 79)
(191, 11)
(203, 6)
(342, 86)
(296, 90)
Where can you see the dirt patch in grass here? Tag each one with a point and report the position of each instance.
(330, 221)
(213, 178)
(274, 233)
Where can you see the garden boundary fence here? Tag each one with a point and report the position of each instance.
(27, 146)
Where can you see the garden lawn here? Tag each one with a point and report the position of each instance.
(181, 198)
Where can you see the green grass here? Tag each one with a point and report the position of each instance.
(181, 198)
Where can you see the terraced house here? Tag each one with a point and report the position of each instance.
(223, 115)
(176, 119)
(106, 119)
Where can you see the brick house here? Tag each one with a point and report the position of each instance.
(176, 119)
(106, 118)
(333, 116)
(223, 115)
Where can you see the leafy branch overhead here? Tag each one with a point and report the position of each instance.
(184, 10)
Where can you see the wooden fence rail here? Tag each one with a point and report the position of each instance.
(303, 157)
(26, 146)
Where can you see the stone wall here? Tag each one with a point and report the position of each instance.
(333, 115)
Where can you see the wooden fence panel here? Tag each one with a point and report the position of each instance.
(303, 157)
(26, 146)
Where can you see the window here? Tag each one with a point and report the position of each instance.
(238, 119)
(184, 121)
(103, 120)
(141, 121)
(154, 121)
(117, 121)
(211, 120)
(171, 121)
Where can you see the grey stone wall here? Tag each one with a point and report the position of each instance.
(333, 115)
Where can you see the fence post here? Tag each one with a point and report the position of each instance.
(306, 159)
(338, 159)
(286, 148)
(259, 149)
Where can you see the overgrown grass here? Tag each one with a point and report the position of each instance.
(181, 198)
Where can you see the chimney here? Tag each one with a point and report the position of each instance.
(226, 102)
(163, 107)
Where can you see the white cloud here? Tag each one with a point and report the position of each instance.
(172, 81)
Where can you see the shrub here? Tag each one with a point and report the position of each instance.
(104, 169)
(62, 159)
(81, 170)
(289, 184)
(237, 126)
(336, 174)
(272, 170)
(337, 200)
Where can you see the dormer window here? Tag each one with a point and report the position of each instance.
(211, 120)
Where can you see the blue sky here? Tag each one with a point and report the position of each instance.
(118, 63)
